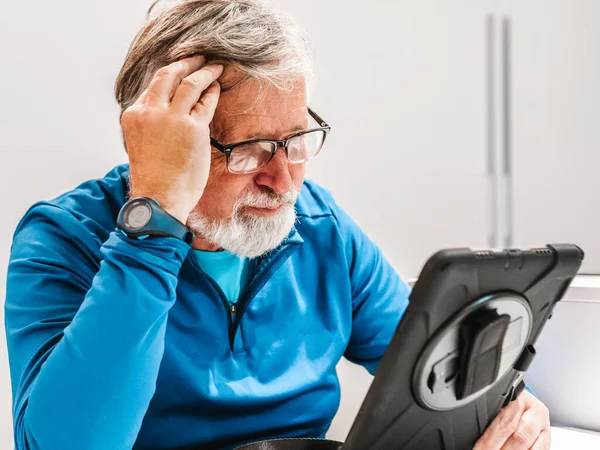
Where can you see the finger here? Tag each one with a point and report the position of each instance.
(166, 79)
(543, 441)
(502, 427)
(205, 108)
(530, 427)
(191, 88)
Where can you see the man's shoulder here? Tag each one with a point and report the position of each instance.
(93, 204)
(315, 201)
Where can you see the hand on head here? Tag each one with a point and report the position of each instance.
(167, 134)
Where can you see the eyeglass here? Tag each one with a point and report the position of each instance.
(250, 156)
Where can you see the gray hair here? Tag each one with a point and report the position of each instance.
(253, 36)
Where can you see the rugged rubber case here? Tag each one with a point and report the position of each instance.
(390, 417)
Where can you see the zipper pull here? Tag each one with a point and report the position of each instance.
(232, 310)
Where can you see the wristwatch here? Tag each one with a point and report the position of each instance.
(143, 217)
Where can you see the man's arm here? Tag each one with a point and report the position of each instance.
(85, 344)
(379, 296)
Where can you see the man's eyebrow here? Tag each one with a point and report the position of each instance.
(258, 134)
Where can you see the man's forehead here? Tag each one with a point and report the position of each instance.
(252, 96)
(248, 126)
(249, 109)
(267, 108)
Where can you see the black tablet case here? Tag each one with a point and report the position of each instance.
(390, 417)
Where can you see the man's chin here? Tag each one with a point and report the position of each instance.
(250, 234)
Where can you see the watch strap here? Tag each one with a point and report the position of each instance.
(161, 223)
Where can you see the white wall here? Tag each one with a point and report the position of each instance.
(5, 396)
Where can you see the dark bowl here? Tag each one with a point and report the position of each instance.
(292, 444)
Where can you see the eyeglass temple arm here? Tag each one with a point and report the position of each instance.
(216, 144)
(315, 116)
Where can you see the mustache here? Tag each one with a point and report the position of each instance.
(267, 199)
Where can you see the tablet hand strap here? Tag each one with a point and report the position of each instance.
(481, 339)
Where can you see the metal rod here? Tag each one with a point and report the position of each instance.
(491, 135)
(507, 129)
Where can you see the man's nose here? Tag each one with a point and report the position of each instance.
(276, 174)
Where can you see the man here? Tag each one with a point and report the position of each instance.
(127, 331)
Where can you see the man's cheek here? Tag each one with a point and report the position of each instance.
(298, 173)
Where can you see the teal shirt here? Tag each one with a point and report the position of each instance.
(229, 271)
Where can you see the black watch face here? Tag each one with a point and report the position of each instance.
(137, 215)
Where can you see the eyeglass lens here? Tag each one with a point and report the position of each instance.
(251, 157)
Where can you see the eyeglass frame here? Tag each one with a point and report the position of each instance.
(283, 143)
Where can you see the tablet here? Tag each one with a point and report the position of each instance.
(459, 353)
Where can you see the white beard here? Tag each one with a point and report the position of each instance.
(248, 235)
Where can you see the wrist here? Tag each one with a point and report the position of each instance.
(174, 209)
(178, 213)
(144, 216)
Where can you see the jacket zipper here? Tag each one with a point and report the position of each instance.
(235, 311)
(232, 311)
(230, 308)
(257, 282)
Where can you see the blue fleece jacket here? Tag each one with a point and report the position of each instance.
(116, 343)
